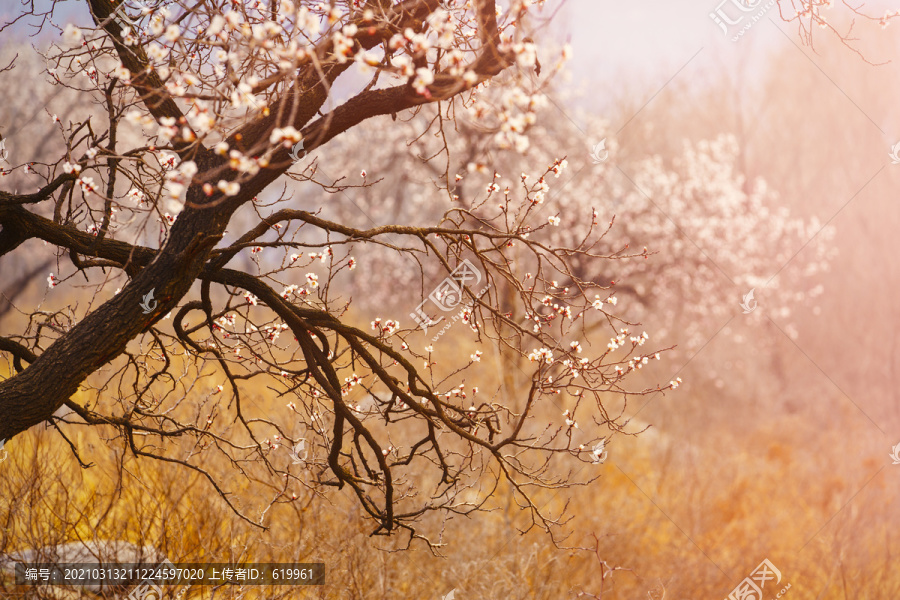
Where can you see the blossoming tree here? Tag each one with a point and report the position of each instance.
(181, 177)
(203, 267)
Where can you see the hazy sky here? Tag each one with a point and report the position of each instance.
(645, 44)
(642, 35)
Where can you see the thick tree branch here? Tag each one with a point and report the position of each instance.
(34, 394)
(39, 196)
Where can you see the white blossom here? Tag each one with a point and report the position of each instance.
(229, 188)
(72, 35)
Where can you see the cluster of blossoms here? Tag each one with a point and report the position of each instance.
(343, 42)
(325, 256)
(229, 188)
(71, 168)
(201, 116)
(538, 191)
(637, 362)
(226, 320)
(282, 36)
(574, 367)
(291, 289)
(177, 182)
(287, 136)
(884, 21)
(598, 303)
(696, 201)
(273, 332)
(542, 355)
(167, 130)
(457, 392)
(87, 185)
(136, 196)
(388, 327)
(350, 383)
(137, 117)
(238, 161)
(564, 311)
(619, 341)
(511, 113)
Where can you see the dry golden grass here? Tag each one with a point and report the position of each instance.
(679, 516)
